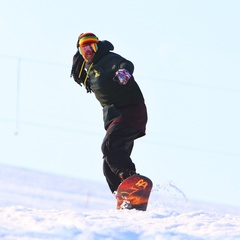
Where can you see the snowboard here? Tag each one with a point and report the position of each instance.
(134, 193)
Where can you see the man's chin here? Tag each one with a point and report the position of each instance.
(89, 59)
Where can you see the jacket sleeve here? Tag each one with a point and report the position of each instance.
(125, 64)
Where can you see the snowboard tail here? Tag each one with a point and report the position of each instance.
(134, 193)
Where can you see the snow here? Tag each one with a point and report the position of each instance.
(35, 205)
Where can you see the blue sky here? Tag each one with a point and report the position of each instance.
(186, 57)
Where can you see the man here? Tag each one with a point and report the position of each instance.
(109, 76)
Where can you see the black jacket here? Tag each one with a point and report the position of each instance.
(98, 77)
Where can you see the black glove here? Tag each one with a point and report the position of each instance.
(76, 66)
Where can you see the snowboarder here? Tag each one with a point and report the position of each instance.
(110, 77)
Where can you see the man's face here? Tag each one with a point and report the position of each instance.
(87, 52)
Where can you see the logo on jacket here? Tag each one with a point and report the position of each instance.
(97, 74)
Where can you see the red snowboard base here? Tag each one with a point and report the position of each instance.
(134, 192)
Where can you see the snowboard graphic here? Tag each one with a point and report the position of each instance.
(134, 192)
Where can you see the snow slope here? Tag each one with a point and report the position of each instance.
(38, 206)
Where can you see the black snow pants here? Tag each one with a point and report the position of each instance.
(117, 147)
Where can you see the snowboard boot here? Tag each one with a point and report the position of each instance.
(125, 174)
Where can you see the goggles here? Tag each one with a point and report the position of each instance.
(87, 48)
